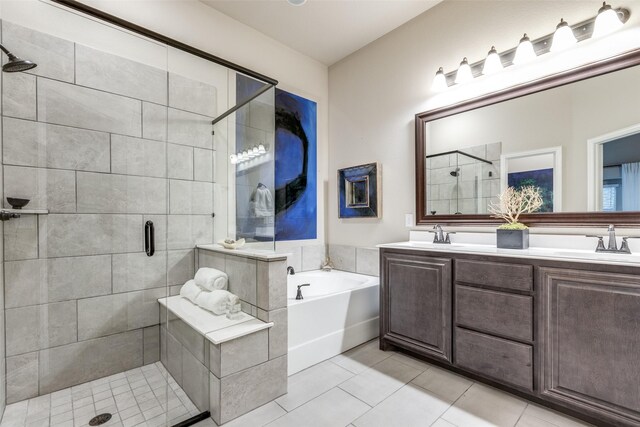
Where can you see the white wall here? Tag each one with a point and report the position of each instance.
(375, 92)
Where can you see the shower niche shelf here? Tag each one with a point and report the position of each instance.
(7, 214)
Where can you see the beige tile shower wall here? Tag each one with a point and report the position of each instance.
(105, 144)
(3, 372)
(355, 259)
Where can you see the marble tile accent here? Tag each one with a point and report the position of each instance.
(154, 121)
(190, 197)
(180, 161)
(242, 277)
(203, 165)
(343, 257)
(73, 235)
(92, 359)
(180, 266)
(107, 193)
(187, 231)
(22, 380)
(19, 96)
(484, 406)
(278, 333)
(195, 380)
(443, 383)
(40, 281)
(245, 390)
(135, 271)
(368, 261)
(312, 257)
(40, 326)
(409, 406)
(28, 143)
(53, 55)
(239, 354)
(66, 104)
(51, 189)
(191, 95)
(151, 344)
(189, 129)
(21, 238)
(311, 383)
(136, 156)
(331, 409)
(380, 381)
(271, 285)
(115, 74)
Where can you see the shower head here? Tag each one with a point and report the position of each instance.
(455, 172)
(15, 64)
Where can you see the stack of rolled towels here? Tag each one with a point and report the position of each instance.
(208, 289)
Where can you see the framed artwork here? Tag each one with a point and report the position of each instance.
(358, 191)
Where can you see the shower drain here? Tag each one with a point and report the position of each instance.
(99, 419)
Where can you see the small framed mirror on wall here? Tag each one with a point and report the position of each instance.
(575, 136)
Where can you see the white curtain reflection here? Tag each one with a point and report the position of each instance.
(631, 186)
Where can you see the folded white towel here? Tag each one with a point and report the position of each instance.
(211, 279)
(217, 301)
(190, 291)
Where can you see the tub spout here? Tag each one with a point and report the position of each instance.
(299, 293)
(327, 265)
(290, 271)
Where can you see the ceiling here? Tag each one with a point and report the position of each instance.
(326, 30)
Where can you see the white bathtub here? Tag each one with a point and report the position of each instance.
(339, 311)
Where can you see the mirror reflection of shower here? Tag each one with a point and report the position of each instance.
(458, 182)
(15, 64)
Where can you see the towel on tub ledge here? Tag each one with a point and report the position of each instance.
(218, 301)
(190, 291)
(210, 279)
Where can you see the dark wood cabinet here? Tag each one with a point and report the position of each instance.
(416, 301)
(590, 330)
(561, 333)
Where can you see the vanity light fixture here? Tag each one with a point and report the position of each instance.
(563, 38)
(524, 52)
(606, 21)
(296, 2)
(439, 81)
(261, 149)
(233, 159)
(464, 74)
(492, 63)
(248, 154)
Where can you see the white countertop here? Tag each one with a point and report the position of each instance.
(579, 255)
(216, 329)
(247, 252)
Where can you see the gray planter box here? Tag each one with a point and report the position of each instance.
(512, 239)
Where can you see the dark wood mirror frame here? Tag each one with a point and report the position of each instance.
(559, 219)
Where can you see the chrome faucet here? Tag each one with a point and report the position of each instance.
(299, 293)
(290, 271)
(612, 245)
(441, 236)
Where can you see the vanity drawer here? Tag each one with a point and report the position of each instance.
(503, 360)
(517, 277)
(508, 315)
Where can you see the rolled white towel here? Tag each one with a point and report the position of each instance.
(190, 291)
(217, 301)
(211, 279)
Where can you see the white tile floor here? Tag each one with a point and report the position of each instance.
(366, 387)
(145, 397)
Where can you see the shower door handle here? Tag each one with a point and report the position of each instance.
(149, 238)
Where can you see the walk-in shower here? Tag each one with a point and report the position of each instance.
(457, 183)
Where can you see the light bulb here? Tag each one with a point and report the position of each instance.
(563, 38)
(439, 81)
(524, 52)
(240, 157)
(464, 75)
(245, 155)
(607, 21)
(233, 159)
(492, 63)
(261, 149)
(255, 152)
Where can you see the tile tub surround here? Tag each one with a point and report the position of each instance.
(134, 397)
(355, 259)
(105, 144)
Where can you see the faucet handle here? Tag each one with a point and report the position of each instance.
(447, 239)
(600, 246)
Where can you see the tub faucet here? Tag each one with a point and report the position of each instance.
(327, 265)
(290, 271)
(299, 293)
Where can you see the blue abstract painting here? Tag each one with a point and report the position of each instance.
(541, 178)
(295, 170)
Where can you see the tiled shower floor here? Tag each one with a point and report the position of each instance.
(135, 398)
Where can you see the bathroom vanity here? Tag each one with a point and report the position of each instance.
(559, 330)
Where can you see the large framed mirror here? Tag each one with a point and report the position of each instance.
(574, 135)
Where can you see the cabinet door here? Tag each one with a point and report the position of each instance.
(416, 303)
(590, 334)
